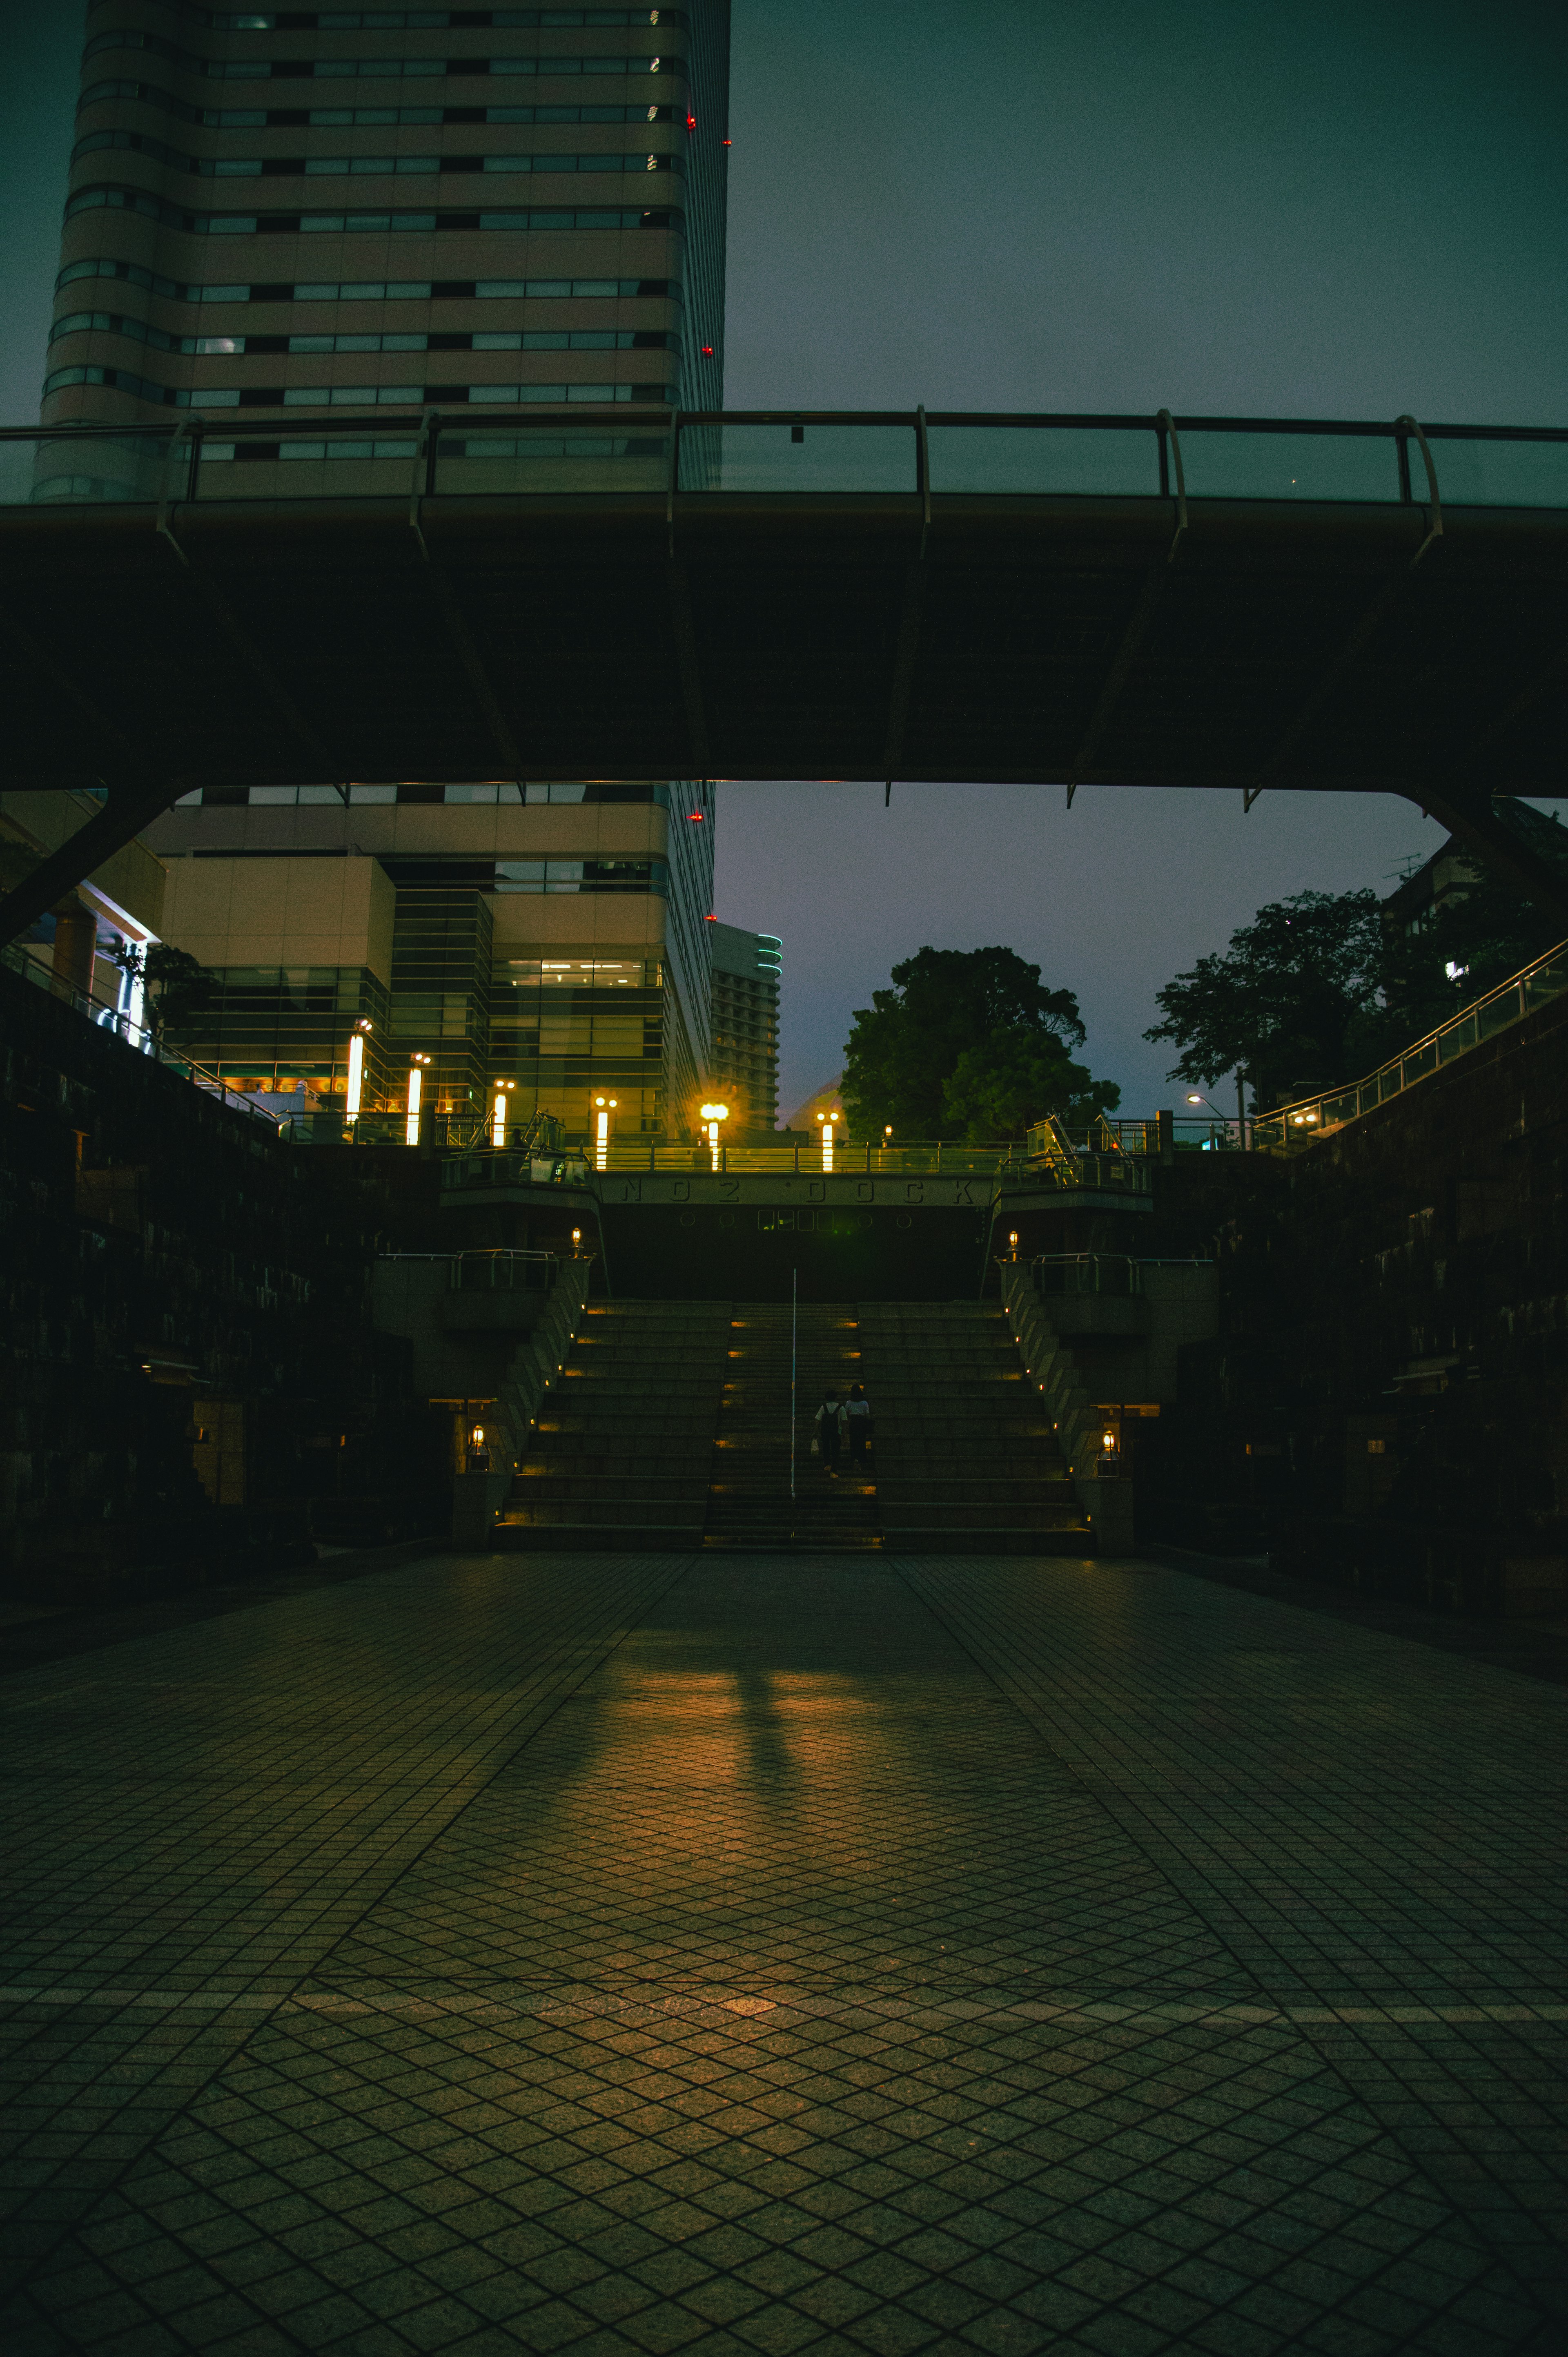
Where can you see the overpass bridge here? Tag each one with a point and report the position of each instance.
(1246, 604)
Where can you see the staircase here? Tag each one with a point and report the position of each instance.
(749, 1504)
(966, 1460)
(619, 1453)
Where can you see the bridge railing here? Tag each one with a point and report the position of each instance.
(1295, 1125)
(140, 1037)
(564, 451)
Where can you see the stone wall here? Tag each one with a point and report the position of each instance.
(190, 1377)
(1386, 1405)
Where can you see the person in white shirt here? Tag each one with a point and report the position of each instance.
(828, 1430)
(855, 1419)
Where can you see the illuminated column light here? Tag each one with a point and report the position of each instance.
(415, 1089)
(827, 1121)
(498, 1114)
(356, 1069)
(601, 1141)
(712, 1115)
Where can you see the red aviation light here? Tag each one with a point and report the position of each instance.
(707, 351)
(695, 817)
(691, 123)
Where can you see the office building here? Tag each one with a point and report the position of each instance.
(747, 969)
(472, 210)
(289, 213)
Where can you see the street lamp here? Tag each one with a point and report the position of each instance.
(415, 1089)
(606, 1105)
(827, 1120)
(357, 1066)
(712, 1115)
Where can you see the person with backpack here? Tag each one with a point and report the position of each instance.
(855, 1419)
(825, 1444)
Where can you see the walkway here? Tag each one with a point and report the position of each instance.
(653, 1954)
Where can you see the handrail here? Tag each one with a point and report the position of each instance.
(223, 426)
(646, 441)
(136, 1036)
(1296, 1125)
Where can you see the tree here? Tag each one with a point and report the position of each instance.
(1318, 990)
(907, 1044)
(1279, 1005)
(178, 986)
(1476, 939)
(1017, 1077)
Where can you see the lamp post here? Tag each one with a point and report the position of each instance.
(827, 1119)
(1194, 1097)
(357, 1066)
(606, 1106)
(498, 1113)
(415, 1089)
(712, 1115)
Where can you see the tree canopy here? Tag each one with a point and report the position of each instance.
(178, 986)
(1319, 990)
(1279, 1004)
(1015, 1077)
(965, 1042)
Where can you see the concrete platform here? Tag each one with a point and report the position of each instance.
(756, 1954)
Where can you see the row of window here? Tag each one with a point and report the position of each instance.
(533, 339)
(378, 290)
(382, 68)
(383, 168)
(137, 200)
(332, 118)
(297, 20)
(533, 791)
(346, 396)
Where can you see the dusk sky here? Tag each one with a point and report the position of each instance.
(1282, 210)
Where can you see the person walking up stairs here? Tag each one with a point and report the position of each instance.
(750, 1504)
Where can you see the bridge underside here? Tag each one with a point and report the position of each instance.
(1065, 642)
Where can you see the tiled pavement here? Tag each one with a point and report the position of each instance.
(760, 1954)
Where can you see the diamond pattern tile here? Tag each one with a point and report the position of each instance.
(762, 1955)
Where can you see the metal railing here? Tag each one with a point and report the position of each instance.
(1115, 1273)
(1123, 1174)
(1295, 1125)
(666, 453)
(136, 1036)
(502, 1270)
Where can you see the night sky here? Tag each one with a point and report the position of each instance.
(1280, 210)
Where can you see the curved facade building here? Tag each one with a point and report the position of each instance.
(290, 216)
(283, 213)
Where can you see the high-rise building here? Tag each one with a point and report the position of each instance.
(747, 969)
(480, 209)
(551, 935)
(289, 212)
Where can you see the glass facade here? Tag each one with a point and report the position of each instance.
(244, 255)
(286, 1028)
(747, 976)
(561, 227)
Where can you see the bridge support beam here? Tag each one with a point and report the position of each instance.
(129, 808)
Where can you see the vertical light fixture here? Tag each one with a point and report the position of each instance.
(415, 1089)
(827, 1121)
(498, 1113)
(712, 1115)
(601, 1141)
(357, 1067)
